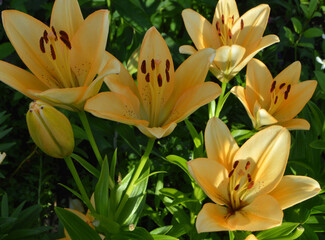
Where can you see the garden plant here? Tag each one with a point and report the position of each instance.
(162, 119)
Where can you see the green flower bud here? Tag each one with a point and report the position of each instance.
(50, 129)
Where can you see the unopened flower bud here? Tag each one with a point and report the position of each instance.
(50, 130)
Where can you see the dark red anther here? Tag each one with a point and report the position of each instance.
(276, 100)
(231, 173)
(41, 44)
(273, 86)
(217, 26)
(288, 88)
(223, 19)
(143, 67)
(167, 65)
(235, 164)
(229, 34)
(52, 52)
(54, 32)
(282, 85)
(286, 94)
(250, 185)
(45, 34)
(236, 188)
(167, 75)
(159, 79)
(241, 24)
(247, 165)
(249, 177)
(65, 39)
(147, 77)
(153, 66)
(232, 19)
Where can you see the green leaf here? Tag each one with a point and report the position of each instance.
(163, 237)
(161, 230)
(102, 190)
(27, 233)
(181, 162)
(296, 24)
(277, 232)
(28, 217)
(105, 224)
(71, 190)
(90, 168)
(6, 49)
(136, 234)
(318, 144)
(320, 76)
(197, 139)
(289, 34)
(77, 228)
(313, 32)
(113, 164)
(4, 206)
(312, 8)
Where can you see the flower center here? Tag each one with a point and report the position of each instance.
(224, 30)
(156, 73)
(240, 181)
(279, 93)
(56, 48)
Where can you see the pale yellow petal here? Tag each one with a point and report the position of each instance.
(157, 132)
(296, 124)
(115, 107)
(250, 53)
(211, 218)
(187, 49)
(298, 96)
(66, 16)
(192, 99)
(263, 213)
(251, 237)
(88, 47)
(239, 91)
(25, 32)
(20, 79)
(263, 118)
(212, 177)
(295, 189)
(220, 144)
(268, 152)
(200, 30)
(258, 84)
(289, 75)
(227, 8)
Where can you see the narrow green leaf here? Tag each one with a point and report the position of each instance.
(161, 230)
(277, 232)
(318, 144)
(296, 24)
(320, 76)
(18, 209)
(113, 164)
(4, 206)
(163, 237)
(90, 168)
(102, 190)
(181, 162)
(71, 190)
(147, 176)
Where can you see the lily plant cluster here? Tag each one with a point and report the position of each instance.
(68, 65)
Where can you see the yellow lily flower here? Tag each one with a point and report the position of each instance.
(65, 57)
(251, 237)
(163, 97)
(236, 39)
(275, 101)
(247, 183)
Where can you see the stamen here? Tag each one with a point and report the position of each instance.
(167, 75)
(147, 77)
(241, 24)
(159, 79)
(236, 164)
(143, 67)
(167, 65)
(218, 27)
(286, 94)
(288, 88)
(231, 173)
(273, 86)
(223, 19)
(153, 64)
(229, 34)
(251, 184)
(247, 165)
(65, 39)
(282, 85)
(236, 188)
(249, 177)
(45, 36)
(41, 44)
(276, 99)
(53, 52)
(232, 20)
(54, 32)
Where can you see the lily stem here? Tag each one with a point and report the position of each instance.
(85, 123)
(136, 175)
(80, 186)
(221, 99)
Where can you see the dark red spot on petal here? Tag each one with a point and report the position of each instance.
(159, 79)
(41, 44)
(153, 66)
(273, 86)
(143, 67)
(52, 52)
(282, 85)
(147, 77)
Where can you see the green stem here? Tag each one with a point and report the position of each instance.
(85, 123)
(135, 176)
(81, 188)
(221, 98)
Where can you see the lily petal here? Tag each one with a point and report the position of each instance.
(239, 91)
(263, 213)
(187, 49)
(202, 33)
(220, 144)
(295, 189)
(192, 99)
(20, 79)
(298, 97)
(66, 16)
(289, 75)
(296, 124)
(268, 152)
(211, 218)
(116, 107)
(88, 47)
(157, 132)
(227, 8)
(212, 177)
(258, 84)
(24, 32)
(263, 118)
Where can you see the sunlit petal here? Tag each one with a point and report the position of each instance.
(290, 75)
(187, 49)
(263, 118)
(241, 95)
(296, 124)
(157, 132)
(295, 189)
